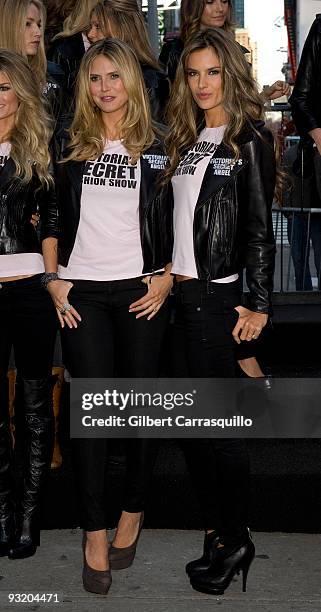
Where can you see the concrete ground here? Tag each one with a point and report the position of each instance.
(286, 575)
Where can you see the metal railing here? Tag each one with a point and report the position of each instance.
(298, 258)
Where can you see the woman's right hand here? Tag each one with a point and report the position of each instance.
(59, 290)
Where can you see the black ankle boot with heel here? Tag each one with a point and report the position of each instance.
(203, 563)
(230, 559)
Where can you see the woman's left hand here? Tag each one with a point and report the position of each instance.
(158, 290)
(250, 324)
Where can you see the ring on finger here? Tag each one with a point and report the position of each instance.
(65, 308)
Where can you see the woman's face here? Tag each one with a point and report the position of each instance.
(106, 86)
(95, 32)
(9, 102)
(215, 13)
(204, 78)
(33, 30)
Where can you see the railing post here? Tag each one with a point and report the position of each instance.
(152, 24)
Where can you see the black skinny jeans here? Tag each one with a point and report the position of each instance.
(28, 322)
(110, 342)
(203, 347)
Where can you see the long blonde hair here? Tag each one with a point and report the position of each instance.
(12, 33)
(191, 16)
(240, 96)
(78, 20)
(31, 133)
(123, 19)
(87, 130)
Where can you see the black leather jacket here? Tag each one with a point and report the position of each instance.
(233, 220)
(155, 209)
(170, 55)
(306, 97)
(17, 204)
(158, 89)
(54, 92)
(67, 53)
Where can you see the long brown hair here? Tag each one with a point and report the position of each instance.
(191, 15)
(58, 11)
(123, 19)
(31, 133)
(240, 96)
(87, 130)
(12, 33)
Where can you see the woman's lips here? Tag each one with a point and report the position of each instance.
(203, 96)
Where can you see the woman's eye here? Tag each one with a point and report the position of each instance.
(94, 78)
(115, 75)
(191, 73)
(28, 24)
(214, 72)
(4, 88)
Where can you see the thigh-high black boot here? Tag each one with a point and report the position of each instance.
(6, 501)
(38, 415)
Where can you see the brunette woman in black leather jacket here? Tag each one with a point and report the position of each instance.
(223, 181)
(123, 19)
(27, 314)
(197, 15)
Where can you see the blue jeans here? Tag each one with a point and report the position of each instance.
(300, 235)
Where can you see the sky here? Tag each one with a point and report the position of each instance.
(260, 16)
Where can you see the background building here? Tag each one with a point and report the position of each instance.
(243, 38)
(239, 13)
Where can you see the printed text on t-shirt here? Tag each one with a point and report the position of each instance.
(111, 169)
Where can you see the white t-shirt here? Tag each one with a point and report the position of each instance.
(187, 182)
(108, 245)
(85, 41)
(18, 264)
(5, 148)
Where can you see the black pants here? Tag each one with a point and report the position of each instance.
(28, 322)
(203, 347)
(109, 342)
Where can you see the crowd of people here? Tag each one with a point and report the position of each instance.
(123, 179)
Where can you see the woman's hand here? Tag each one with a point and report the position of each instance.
(277, 90)
(316, 135)
(59, 290)
(158, 290)
(35, 218)
(250, 324)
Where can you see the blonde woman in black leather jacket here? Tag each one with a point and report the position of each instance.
(27, 314)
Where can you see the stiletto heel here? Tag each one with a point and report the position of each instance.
(245, 568)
